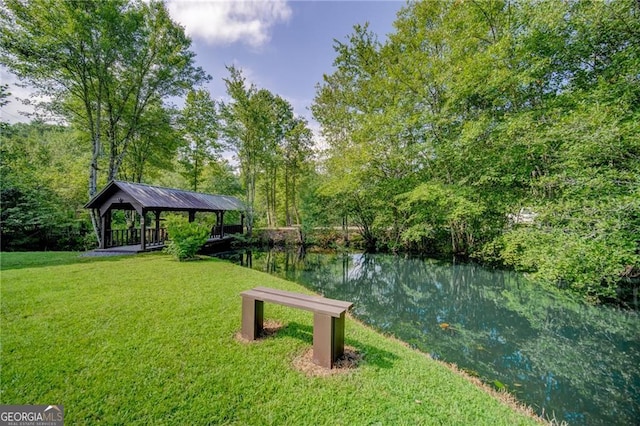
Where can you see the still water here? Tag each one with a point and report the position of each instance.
(567, 360)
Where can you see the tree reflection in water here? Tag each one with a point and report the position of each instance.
(579, 363)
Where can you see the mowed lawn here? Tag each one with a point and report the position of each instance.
(148, 340)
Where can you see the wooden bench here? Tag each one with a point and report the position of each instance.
(328, 319)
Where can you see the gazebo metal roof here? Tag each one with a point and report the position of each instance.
(158, 198)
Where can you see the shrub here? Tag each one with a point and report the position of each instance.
(591, 266)
(185, 238)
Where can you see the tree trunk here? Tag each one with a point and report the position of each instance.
(287, 213)
(274, 206)
(96, 143)
(294, 197)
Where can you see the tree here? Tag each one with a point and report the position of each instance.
(280, 118)
(586, 192)
(154, 146)
(219, 178)
(198, 124)
(297, 152)
(243, 132)
(103, 63)
(370, 160)
(248, 131)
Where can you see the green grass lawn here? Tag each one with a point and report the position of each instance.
(148, 340)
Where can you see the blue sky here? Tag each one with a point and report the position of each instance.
(298, 51)
(282, 46)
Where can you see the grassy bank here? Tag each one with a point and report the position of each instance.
(147, 340)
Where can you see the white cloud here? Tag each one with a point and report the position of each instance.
(224, 22)
(319, 142)
(15, 111)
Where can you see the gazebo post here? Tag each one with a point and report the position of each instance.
(106, 224)
(221, 223)
(192, 215)
(217, 227)
(143, 234)
(157, 236)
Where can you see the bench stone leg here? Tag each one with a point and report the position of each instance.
(338, 337)
(328, 339)
(252, 318)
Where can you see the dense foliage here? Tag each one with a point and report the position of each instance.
(186, 237)
(472, 113)
(198, 124)
(42, 189)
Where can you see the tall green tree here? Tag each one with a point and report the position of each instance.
(587, 193)
(276, 114)
(370, 158)
(198, 124)
(244, 132)
(154, 147)
(103, 63)
(220, 178)
(297, 154)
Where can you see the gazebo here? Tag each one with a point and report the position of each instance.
(144, 199)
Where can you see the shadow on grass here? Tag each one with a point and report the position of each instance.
(371, 354)
(24, 260)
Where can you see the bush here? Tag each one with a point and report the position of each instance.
(185, 238)
(591, 266)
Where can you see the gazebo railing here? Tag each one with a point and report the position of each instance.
(122, 237)
(129, 237)
(156, 237)
(217, 231)
(153, 237)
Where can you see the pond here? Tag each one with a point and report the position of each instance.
(567, 360)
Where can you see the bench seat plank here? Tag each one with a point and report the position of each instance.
(309, 305)
(311, 298)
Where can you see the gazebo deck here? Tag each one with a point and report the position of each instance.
(137, 248)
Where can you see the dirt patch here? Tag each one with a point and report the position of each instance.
(269, 328)
(346, 363)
